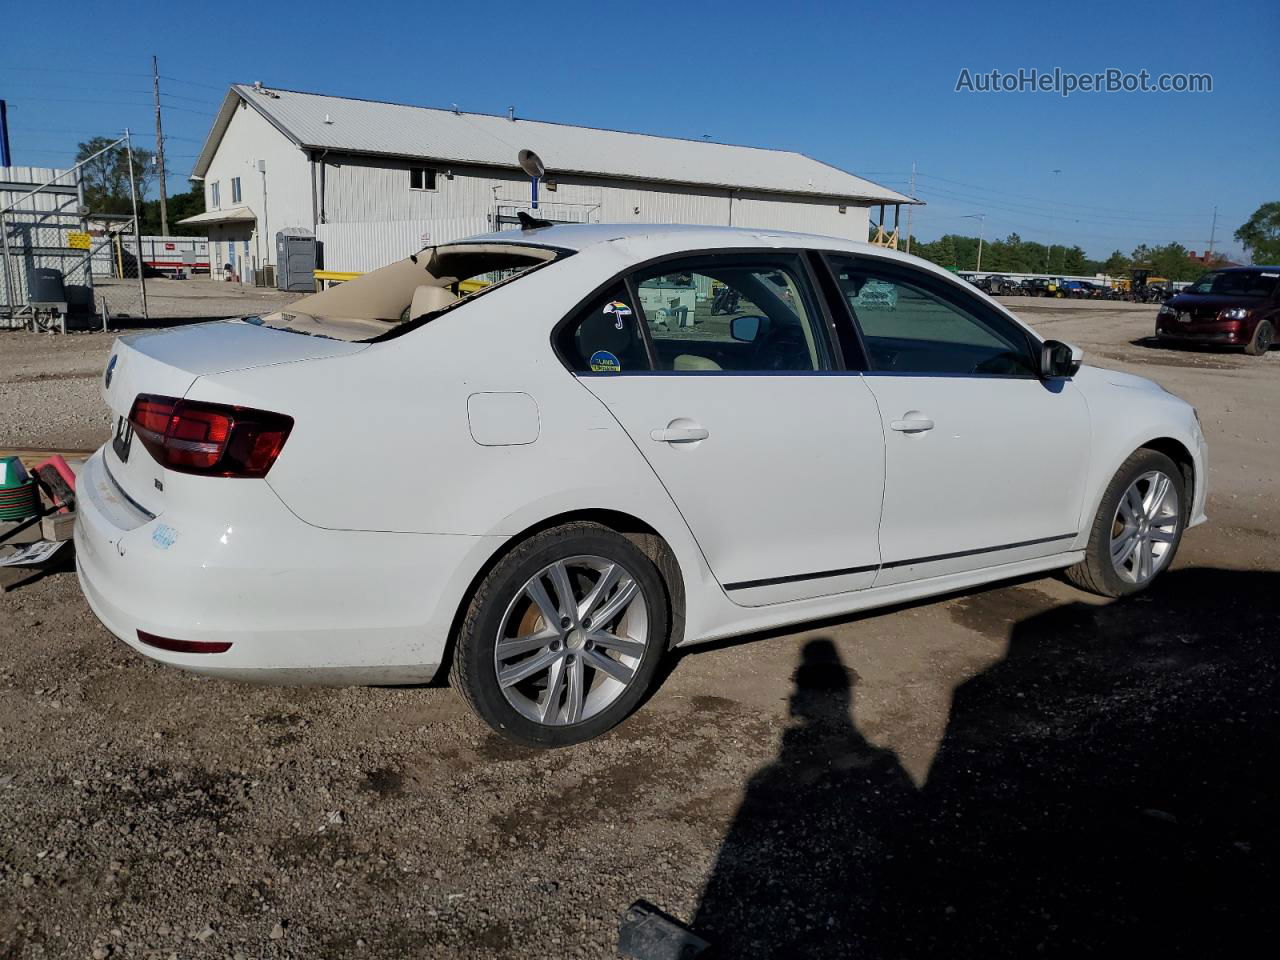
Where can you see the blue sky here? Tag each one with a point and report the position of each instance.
(866, 87)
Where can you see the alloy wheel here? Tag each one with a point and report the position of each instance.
(1145, 527)
(571, 640)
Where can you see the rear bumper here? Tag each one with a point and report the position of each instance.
(297, 603)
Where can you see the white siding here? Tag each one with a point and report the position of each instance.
(373, 218)
(250, 138)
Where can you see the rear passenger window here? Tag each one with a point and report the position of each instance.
(605, 336)
(733, 313)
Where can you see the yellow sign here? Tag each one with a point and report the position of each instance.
(78, 241)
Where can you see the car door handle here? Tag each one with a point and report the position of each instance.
(679, 434)
(914, 425)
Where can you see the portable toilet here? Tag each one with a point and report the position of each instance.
(296, 259)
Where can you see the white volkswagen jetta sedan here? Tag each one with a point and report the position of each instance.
(549, 456)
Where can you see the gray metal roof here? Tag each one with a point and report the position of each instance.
(393, 129)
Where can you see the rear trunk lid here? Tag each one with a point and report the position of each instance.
(167, 363)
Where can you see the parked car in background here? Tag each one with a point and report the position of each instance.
(536, 484)
(997, 285)
(1238, 306)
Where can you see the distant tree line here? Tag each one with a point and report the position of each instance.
(1015, 255)
(1260, 236)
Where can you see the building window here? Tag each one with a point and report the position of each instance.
(215, 197)
(420, 178)
(235, 189)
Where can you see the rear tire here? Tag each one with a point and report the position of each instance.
(531, 662)
(1263, 336)
(1138, 527)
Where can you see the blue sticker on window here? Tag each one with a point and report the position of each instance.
(602, 361)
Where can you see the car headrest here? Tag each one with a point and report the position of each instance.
(600, 331)
(689, 361)
(429, 299)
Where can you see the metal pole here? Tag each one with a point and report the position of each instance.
(6, 158)
(266, 226)
(10, 299)
(982, 229)
(1213, 232)
(911, 192)
(137, 234)
(164, 202)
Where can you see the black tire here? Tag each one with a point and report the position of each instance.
(474, 669)
(1263, 336)
(1096, 573)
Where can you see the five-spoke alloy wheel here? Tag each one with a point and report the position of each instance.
(563, 636)
(1145, 527)
(571, 640)
(1137, 528)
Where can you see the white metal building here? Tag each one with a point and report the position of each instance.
(377, 181)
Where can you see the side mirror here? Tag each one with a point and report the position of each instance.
(745, 329)
(1058, 359)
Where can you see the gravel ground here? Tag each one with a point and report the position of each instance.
(1023, 770)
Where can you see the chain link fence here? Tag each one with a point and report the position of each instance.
(61, 265)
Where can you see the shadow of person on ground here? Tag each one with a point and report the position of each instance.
(1109, 788)
(820, 817)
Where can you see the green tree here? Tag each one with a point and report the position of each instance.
(1260, 234)
(181, 206)
(106, 176)
(1116, 265)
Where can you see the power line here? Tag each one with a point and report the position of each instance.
(1068, 203)
(196, 83)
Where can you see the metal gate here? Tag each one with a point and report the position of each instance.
(60, 259)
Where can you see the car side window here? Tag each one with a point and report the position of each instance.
(734, 313)
(604, 336)
(911, 323)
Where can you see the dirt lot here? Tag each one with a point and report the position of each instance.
(1018, 771)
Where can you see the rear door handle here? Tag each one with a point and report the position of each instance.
(672, 434)
(914, 425)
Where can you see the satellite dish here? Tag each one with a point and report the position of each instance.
(531, 163)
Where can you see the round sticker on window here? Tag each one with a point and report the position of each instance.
(602, 361)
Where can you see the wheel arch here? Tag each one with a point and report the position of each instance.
(653, 544)
(1178, 452)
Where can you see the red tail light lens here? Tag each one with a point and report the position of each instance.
(183, 646)
(209, 438)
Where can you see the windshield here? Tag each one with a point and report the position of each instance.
(1237, 283)
(398, 297)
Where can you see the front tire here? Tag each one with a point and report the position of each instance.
(1137, 529)
(563, 636)
(1263, 336)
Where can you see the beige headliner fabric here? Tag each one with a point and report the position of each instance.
(384, 293)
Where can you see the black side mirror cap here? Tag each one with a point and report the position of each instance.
(1058, 359)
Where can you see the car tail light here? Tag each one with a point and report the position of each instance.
(213, 439)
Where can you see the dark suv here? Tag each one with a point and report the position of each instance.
(1239, 306)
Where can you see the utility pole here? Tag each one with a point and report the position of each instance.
(982, 232)
(1213, 232)
(164, 200)
(911, 192)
